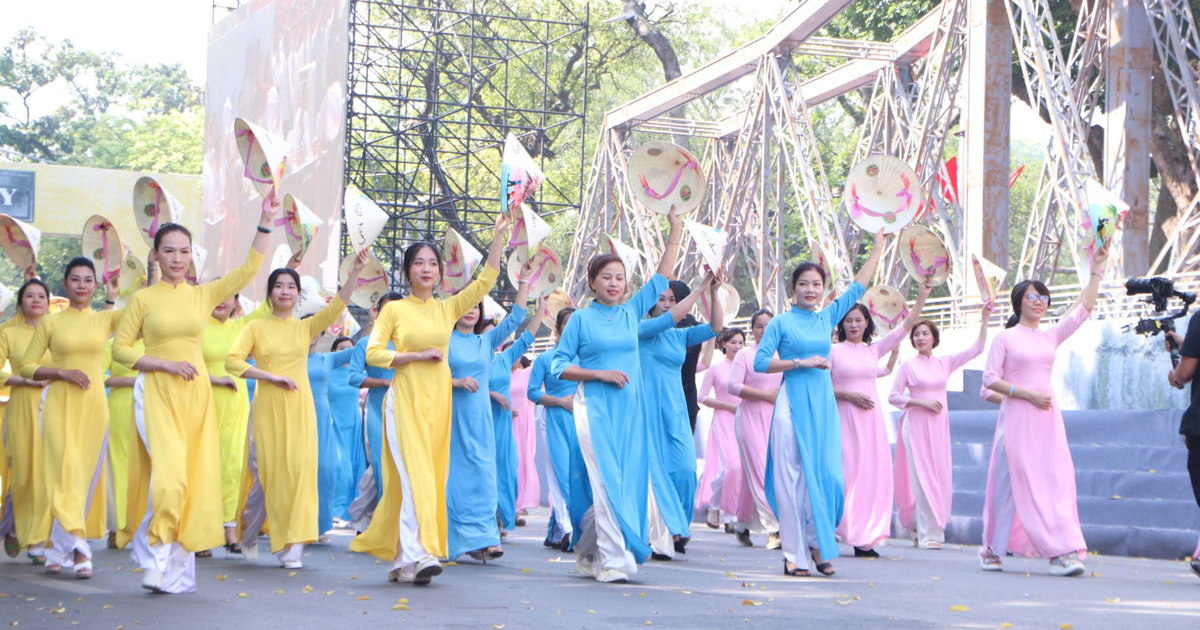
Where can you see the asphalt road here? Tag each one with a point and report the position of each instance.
(718, 584)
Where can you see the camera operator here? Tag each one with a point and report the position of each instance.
(1190, 426)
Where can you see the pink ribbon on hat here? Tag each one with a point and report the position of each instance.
(512, 240)
(288, 223)
(13, 237)
(103, 230)
(362, 281)
(890, 321)
(674, 181)
(269, 200)
(857, 209)
(153, 229)
(538, 274)
(940, 261)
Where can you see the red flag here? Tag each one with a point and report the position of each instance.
(1012, 179)
(947, 178)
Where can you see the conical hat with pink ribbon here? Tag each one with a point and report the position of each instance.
(199, 256)
(264, 156)
(924, 255)
(882, 193)
(555, 302)
(663, 175)
(547, 271)
(728, 298)
(299, 223)
(103, 246)
(460, 260)
(130, 280)
(988, 278)
(520, 176)
(20, 241)
(372, 282)
(886, 306)
(529, 231)
(154, 205)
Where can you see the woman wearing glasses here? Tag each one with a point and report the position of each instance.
(1031, 478)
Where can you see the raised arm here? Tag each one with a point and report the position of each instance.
(326, 316)
(914, 313)
(1087, 298)
(499, 234)
(867, 271)
(666, 265)
(351, 284)
(507, 326)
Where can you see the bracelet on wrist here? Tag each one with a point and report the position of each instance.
(263, 229)
(1011, 389)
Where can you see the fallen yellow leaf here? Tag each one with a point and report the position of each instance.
(401, 607)
(451, 564)
(243, 595)
(362, 598)
(686, 592)
(291, 574)
(959, 608)
(106, 607)
(78, 599)
(526, 570)
(497, 626)
(278, 591)
(327, 592)
(1005, 625)
(354, 577)
(58, 611)
(1113, 600)
(649, 623)
(641, 594)
(221, 577)
(402, 600)
(750, 602)
(1065, 626)
(591, 612)
(306, 589)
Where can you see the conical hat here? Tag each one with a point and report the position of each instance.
(372, 282)
(103, 246)
(131, 279)
(529, 232)
(20, 241)
(492, 310)
(264, 156)
(281, 257)
(924, 255)
(887, 307)
(246, 305)
(1105, 211)
(460, 259)
(727, 296)
(300, 224)
(555, 302)
(153, 205)
(519, 175)
(821, 257)
(6, 297)
(547, 271)
(364, 219)
(988, 277)
(199, 255)
(310, 300)
(630, 256)
(882, 192)
(57, 304)
(710, 241)
(345, 325)
(664, 175)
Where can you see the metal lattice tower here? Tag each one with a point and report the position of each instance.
(434, 87)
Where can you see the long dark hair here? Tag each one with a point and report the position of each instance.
(340, 340)
(561, 319)
(868, 332)
(1018, 296)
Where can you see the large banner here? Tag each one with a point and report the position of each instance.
(282, 65)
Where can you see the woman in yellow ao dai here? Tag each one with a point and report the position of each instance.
(284, 417)
(173, 408)
(74, 417)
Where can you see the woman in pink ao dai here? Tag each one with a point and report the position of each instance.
(1030, 507)
(925, 487)
(722, 459)
(866, 451)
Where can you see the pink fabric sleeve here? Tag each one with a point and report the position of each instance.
(890, 342)
(1067, 326)
(737, 373)
(882, 371)
(706, 384)
(897, 397)
(960, 359)
(994, 369)
(700, 367)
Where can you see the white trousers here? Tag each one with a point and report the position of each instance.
(600, 551)
(766, 521)
(291, 553)
(63, 545)
(661, 540)
(178, 565)
(558, 503)
(410, 549)
(927, 530)
(797, 531)
(1004, 508)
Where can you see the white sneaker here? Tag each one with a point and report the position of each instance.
(774, 541)
(1066, 566)
(989, 561)
(427, 569)
(586, 565)
(610, 575)
(293, 564)
(250, 554)
(152, 580)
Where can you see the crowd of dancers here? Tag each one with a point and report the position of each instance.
(220, 426)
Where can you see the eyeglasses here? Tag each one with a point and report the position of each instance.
(1034, 298)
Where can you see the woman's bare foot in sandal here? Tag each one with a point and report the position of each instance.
(793, 570)
(824, 568)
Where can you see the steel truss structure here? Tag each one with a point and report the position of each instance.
(768, 188)
(434, 88)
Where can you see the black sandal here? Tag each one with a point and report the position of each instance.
(661, 557)
(233, 549)
(865, 553)
(207, 553)
(824, 568)
(796, 572)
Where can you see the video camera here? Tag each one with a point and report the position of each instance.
(1160, 290)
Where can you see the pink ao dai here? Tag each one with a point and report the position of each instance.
(754, 432)
(724, 478)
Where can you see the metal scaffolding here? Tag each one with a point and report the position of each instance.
(434, 87)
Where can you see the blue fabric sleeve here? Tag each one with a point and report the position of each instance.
(496, 336)
(358, 364)
(655, 326)
(845, 302)
(537, 376)
(698, 334)
(510, 356)
(339, 358)
(566, 353)
(647, 296)
(767, 346)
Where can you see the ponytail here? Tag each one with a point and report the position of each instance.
(1013, 320)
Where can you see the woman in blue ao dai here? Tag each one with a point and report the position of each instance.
(347, 427)
(804, 465)
(500, 386)
(329, 454)
(599, 349)
(471, 475)
(673, 458)
(554, 404)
